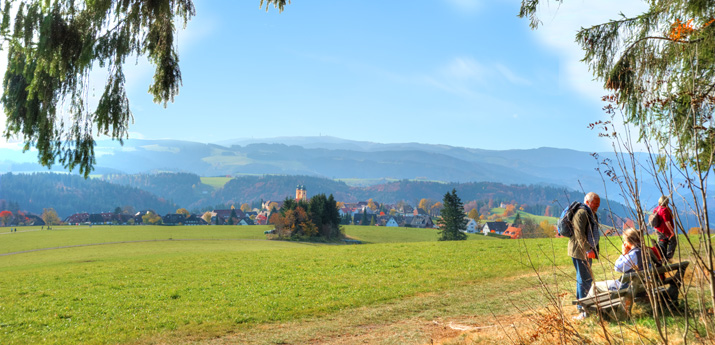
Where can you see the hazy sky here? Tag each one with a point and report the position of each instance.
(455, 72)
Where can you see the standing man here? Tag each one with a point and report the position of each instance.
(583, 245)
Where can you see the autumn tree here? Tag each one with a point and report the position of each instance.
(245, 207)
(49, 216)
(547, 211)
(305, 220)
(372, 205)
(547, 229)
(436, 208)
(529, 229)
(128, 209)
(425, 204)
(151, 218)
(509, 210)
(485, 211)
(453, 219)
(183, 211)
(5, 216)
(473, 214)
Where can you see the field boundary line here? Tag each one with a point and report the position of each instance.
(122, 242)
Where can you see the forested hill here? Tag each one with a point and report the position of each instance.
(69, 194)
(165, 192)
(536, 198)
(274, 187)
(183, 189)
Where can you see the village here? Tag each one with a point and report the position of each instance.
(358, 213)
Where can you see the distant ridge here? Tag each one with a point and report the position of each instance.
(336, 158)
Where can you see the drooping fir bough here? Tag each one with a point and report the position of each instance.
(53, 45)
(660, 68)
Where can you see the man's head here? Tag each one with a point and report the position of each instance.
(593, 201)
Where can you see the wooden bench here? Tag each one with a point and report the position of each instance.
(617, 303)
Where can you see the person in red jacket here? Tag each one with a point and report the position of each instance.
(667, 241)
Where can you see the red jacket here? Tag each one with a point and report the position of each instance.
(666, 217)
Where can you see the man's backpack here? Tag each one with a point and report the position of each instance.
(564, 225)
(654, 219)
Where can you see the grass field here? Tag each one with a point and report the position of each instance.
(215, 182)
(137, 286)
(211, 280)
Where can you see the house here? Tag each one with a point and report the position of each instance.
(512, 232)
(422, 221)
(406, 209)
(31, 219)
(194, 220)
(77, 218)
(102, 218)
(245, 221)
(472, 226)
(222, 216)
(267, 204)
(496, 227)
(392, 222)
(173, 219)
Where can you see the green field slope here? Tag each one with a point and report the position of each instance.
(214, 280)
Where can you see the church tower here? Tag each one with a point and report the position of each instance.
(300, 193)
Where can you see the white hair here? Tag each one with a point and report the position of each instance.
(589, 197)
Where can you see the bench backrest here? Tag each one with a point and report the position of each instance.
(637, 280)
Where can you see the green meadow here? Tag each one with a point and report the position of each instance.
(215, 182)
(137, 284)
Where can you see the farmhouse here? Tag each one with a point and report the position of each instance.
(173, 219)
(472, 226)
(77, 218)
(422, 221)
(496, 227)
(512, 232)
(194, 220)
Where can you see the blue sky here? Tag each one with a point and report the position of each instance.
(455, 72)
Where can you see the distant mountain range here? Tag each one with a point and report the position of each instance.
(358, 162)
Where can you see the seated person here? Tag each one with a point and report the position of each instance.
(629, 261)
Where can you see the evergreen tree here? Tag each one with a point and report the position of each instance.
(517, 220)
(453, 218)
(363, 220)
(233, 217)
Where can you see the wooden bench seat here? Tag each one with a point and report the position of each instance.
(616, 303)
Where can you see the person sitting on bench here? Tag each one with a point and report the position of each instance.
(629, 261)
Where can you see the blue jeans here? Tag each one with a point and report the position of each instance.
(583, 277)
